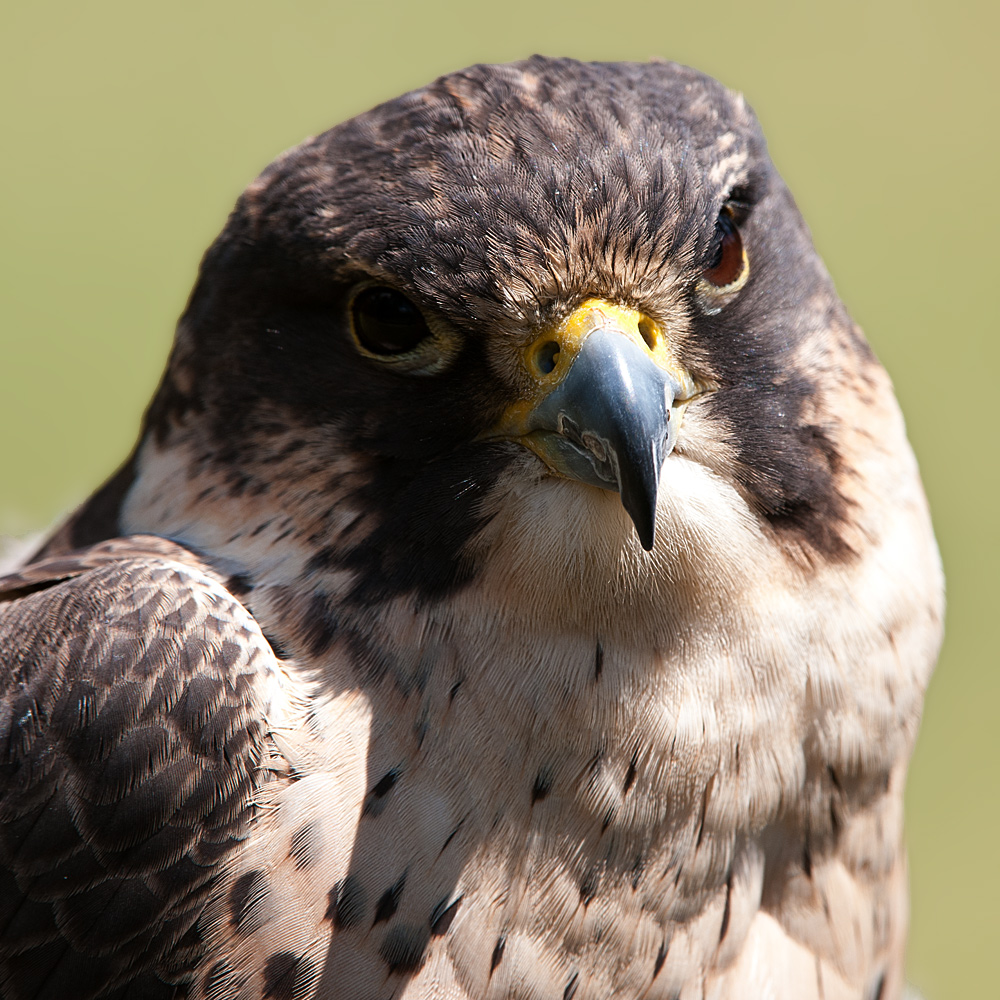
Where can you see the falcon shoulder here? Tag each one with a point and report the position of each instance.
(131, 743)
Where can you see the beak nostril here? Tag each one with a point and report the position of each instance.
(647, 330)
(545, 357)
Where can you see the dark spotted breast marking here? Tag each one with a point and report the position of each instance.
(598, 662)
(347, 902)
(237, 483)
(661, 957)
(498, 950)
(834, 818)
(571, 986)
(638, 867)
(247, 897)
(373, 804)
(421, 729)
(450, 838)
(590, 884)
(607, 819)
(389, 901)
(287, 976)
(542, 785)
(630, 774)
(403, 947)
(442, 915)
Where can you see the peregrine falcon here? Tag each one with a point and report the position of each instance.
(522, 587)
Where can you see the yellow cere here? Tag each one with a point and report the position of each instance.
(549, 357)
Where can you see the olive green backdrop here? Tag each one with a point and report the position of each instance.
(128, 130)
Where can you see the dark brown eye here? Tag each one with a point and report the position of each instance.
(729, 262)
(386, 322)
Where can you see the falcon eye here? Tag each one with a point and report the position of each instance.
(386, 322)
(388, 328)
(729, 269)
(729, 261)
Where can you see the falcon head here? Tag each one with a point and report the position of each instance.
(557, 316)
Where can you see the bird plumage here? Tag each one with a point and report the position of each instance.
(338, 690)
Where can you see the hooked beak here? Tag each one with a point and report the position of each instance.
(607, 402)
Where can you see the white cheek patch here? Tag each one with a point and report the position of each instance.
(269, 535)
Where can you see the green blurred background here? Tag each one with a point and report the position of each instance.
(130, 128)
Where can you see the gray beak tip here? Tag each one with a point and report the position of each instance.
(639, 501)
(645, 537)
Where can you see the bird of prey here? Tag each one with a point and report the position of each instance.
(522, 588)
